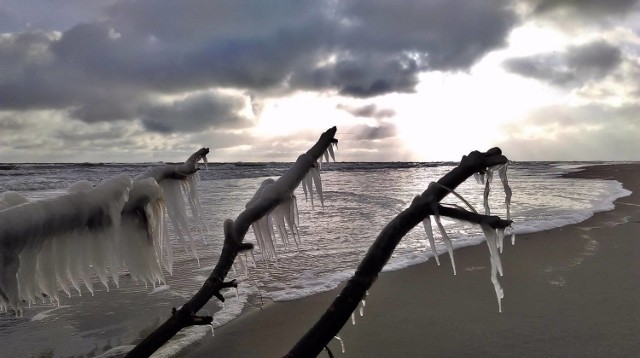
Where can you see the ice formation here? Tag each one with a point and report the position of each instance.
(494, 237)
(496, 264)
(32, 233)
(93, 234)
(341, 342)
(429, 231)
(285, 217)
(447, 241)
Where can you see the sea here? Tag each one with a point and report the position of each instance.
(359, 199)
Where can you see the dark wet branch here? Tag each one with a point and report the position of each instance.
(460, 214)
(334, 318)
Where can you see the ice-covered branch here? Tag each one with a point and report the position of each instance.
(234, 231)
(180, 171)
(61, 239)
(340, 310)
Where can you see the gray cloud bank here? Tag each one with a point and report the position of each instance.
(118, 67)
(573, 67)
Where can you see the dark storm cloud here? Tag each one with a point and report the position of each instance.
(381, 131)
(366, 76)
(574, 67)
(109, 69)
(194, 113)
(367, 111)
(48, 15)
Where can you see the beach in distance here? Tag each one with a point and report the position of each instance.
(572, 291)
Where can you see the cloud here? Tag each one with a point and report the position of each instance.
(383, 130)
(584, 8)
(367, 111)
(589, 132)
(571, 68)
(196, 112)
(103, 70)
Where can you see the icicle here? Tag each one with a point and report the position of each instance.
(205, 161)
(429, 231)
(500, 238)
(341, 343)
(353, 318)
(304, 188)
(362, 304)
(326, 155)
(502, 173)
(318, 183)
(308, 182)
(46, 271)
(487, 210)
(476, 176)
(241, 266)
(447, 241)
(176, 208)
(496, 265)
(513, 236)
(213, 334)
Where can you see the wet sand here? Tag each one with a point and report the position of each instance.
(569, 292)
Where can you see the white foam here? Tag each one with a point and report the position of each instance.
(308, 285)
(159, 289)
(45, 314)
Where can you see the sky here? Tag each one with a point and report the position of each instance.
(256, 80)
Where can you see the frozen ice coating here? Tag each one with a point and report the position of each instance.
(496, 265)
(447, 241)
(307, 183)
(177, 211)
(487, 189)
(330, 150)
(502, 173)
(25, 229)
(191, 191)
(500, 238)
(341, 343)
(429, 231)
(315, 173)
(118, 226)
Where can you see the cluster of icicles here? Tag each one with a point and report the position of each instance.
(285, 216)
(494, 237)
(118, 227)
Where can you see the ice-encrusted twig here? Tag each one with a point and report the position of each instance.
(429, 232)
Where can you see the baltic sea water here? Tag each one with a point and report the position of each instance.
(359, 199)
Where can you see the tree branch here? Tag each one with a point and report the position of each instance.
(334, 318)
(455, 213)
(180, 171)
(234, 232)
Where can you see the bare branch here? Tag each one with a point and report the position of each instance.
(234, 232)
(334, 318)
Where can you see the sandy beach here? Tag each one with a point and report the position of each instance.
(569, 292)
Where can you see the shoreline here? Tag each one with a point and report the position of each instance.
(568, 291)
